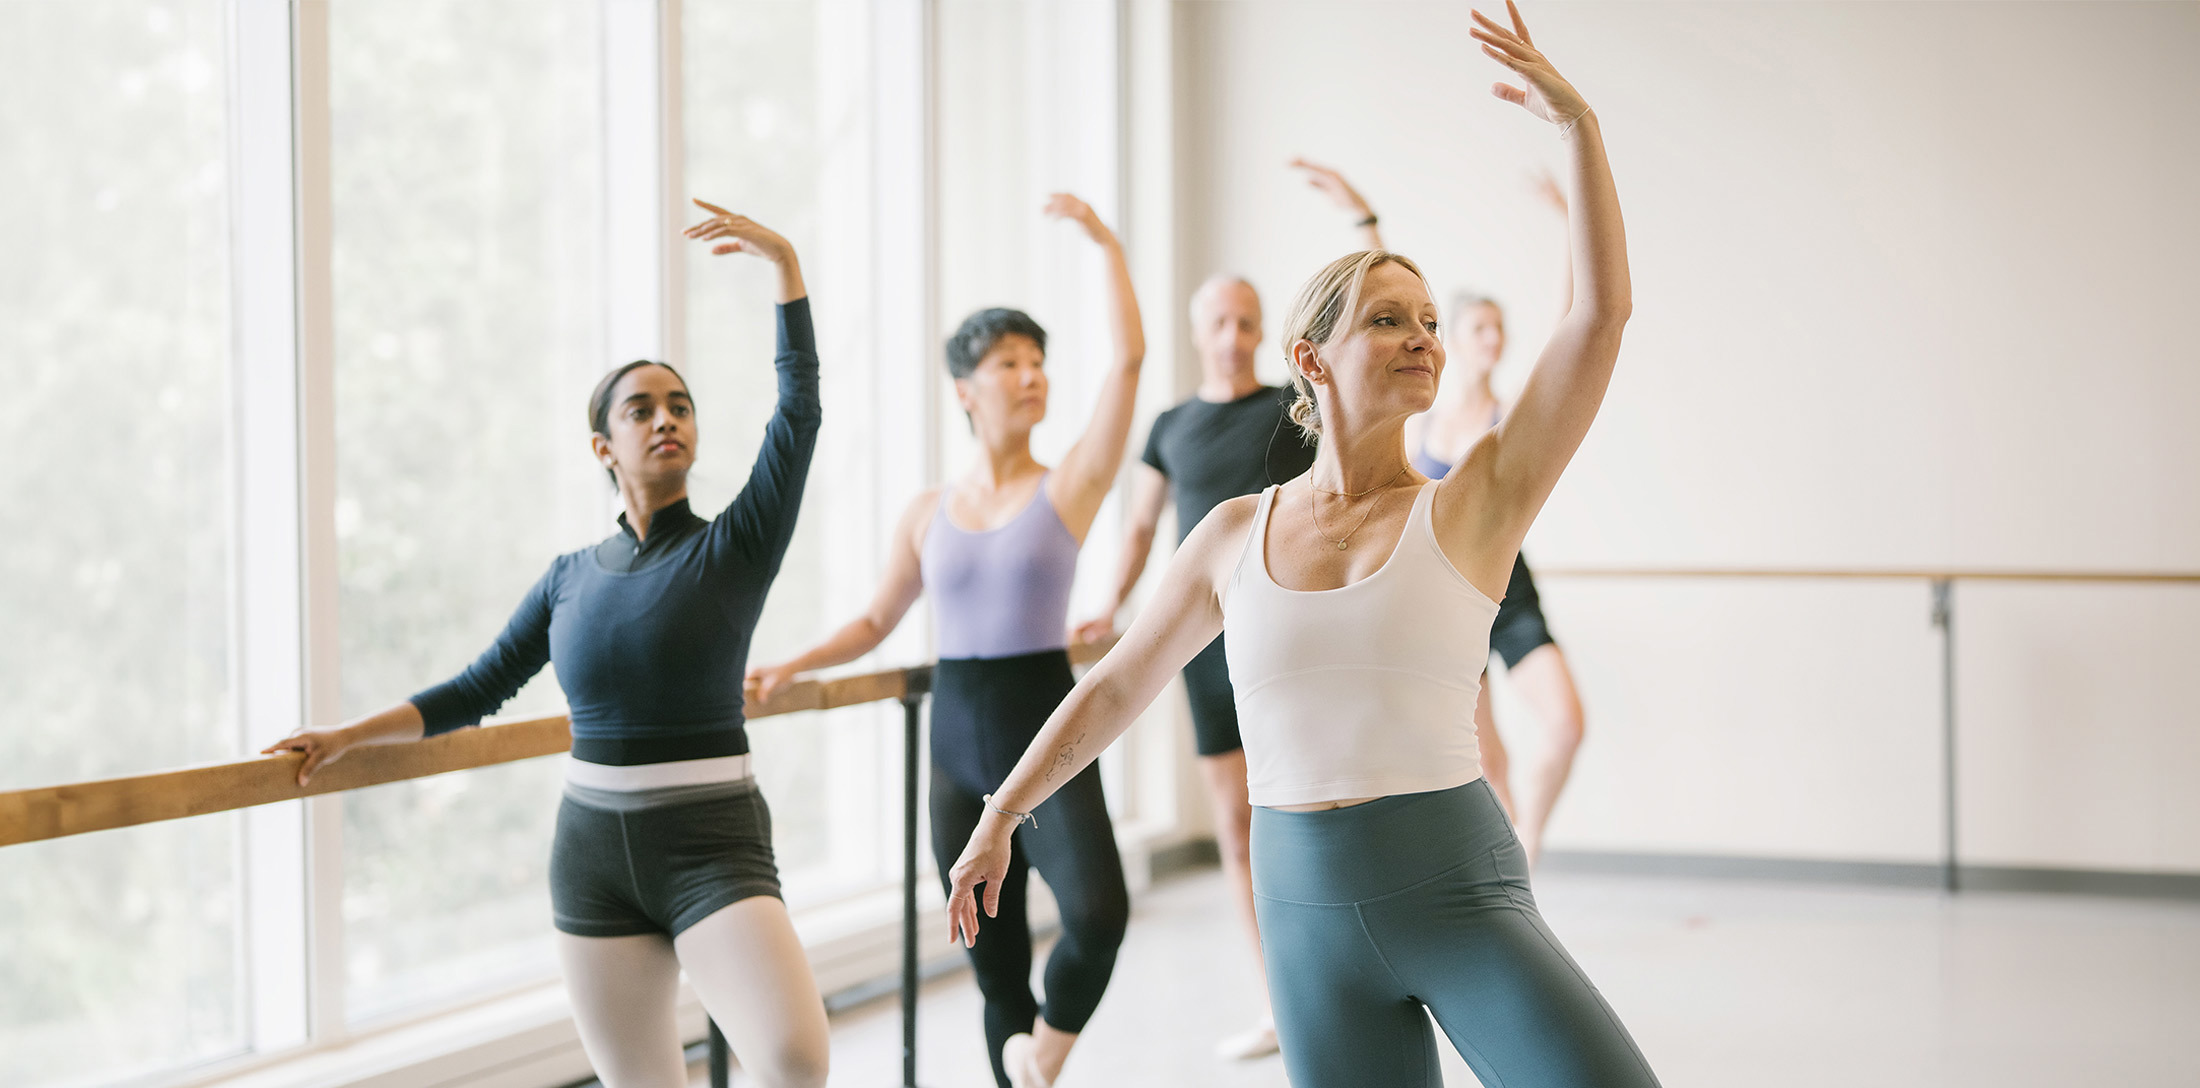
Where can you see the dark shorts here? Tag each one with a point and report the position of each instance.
(1214, 703)
(1519, 629)
(658, 861)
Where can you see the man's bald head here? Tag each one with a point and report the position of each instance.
(1225, 290)
(1226, 327)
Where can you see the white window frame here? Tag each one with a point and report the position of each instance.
(283, 462)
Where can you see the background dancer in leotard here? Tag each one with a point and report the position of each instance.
(663, 855)
(1356, 597)
(998, 549)
(1467, 406)
(1230, 438)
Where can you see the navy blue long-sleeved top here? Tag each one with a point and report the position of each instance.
(651, 637)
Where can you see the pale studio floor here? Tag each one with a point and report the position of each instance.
(1723, 983)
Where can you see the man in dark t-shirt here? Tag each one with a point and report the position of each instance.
(1231, 438)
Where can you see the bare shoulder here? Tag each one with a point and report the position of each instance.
(1230, 515)
(1218, 539)
(917, 515)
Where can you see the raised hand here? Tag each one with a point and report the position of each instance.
(1067, 206)
(1546, 94)
(742, 234)
(745, 235)
(1333, 185)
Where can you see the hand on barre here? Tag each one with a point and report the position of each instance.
(393, 725)
(765, 681)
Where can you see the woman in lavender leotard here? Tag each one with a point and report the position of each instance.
(998, 549)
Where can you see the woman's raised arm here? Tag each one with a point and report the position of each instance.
(1506, 477)
(1087, 472)
(756, 529)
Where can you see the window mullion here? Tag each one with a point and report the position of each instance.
(323, 660)
(266, 471)
(639, 161)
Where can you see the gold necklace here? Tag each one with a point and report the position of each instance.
(1315, 510)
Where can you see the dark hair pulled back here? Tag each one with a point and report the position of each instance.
(599, 402)
(982, 330)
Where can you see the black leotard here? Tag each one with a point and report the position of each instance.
(651, 637)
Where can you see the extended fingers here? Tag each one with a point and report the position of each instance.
(1519, 27)
(1316, 169)
(720, 228)
(1484, 25)
(962, 913)
(712, 208)
(1506, 48)
(1067, 206)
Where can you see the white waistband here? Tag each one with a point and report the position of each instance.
(652, 776)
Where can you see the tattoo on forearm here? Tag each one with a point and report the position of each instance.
(1065, 758)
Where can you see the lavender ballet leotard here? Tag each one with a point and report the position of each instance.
(1001, 600)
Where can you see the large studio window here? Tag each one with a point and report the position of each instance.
(466, 177)
(121, 949)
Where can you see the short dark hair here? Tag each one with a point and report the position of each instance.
(982, 330)
(599, 402)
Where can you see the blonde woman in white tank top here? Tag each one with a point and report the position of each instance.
(1386, 876)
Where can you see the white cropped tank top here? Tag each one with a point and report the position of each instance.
(1365, 690)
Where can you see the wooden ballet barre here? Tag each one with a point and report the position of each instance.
(77, 808)
(2166, 577)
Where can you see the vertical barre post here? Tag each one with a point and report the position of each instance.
(918, 682)
(721, 1064)
(1944, 618)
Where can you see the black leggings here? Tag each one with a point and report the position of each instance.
(985, 712)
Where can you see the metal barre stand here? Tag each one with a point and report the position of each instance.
(917, 686)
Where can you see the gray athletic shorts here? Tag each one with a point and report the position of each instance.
(658, 861)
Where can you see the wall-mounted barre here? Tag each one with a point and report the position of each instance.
(51, 812)
(1942, 584)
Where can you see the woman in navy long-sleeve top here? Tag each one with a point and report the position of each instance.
(663, 856)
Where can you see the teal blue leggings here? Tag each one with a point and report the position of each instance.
(1373, 913)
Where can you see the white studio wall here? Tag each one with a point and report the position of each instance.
(1905, 284)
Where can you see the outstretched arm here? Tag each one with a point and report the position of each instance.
(1506, 476)
(518, 653)
(902, 584)
(1087, 472)
(1337, 189)
(1183, 617)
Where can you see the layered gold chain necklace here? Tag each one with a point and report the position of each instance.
(1314, 509)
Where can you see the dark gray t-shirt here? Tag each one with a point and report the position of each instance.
(1214, 452)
